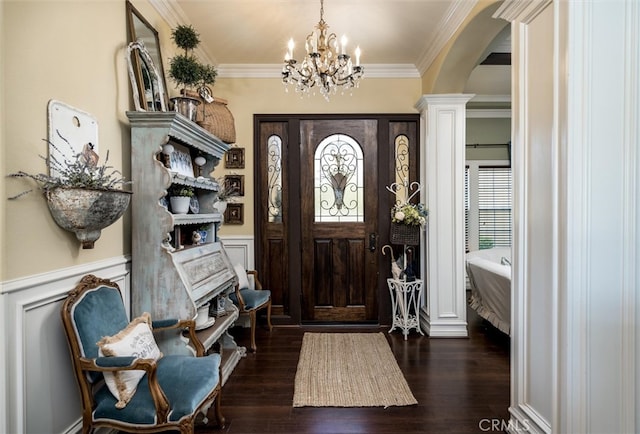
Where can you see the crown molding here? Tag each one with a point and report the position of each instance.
(275, 71)
(455, 16)
(522, 10)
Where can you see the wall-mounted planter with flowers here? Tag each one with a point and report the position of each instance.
(83, 197)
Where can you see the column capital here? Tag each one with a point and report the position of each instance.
(442, 99)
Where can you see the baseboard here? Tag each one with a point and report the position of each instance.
(525, 419)
(443, 329)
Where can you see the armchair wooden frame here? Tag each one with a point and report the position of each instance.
(253, 311)
(82, 365)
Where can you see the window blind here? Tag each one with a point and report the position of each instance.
(494, 207)
(467, 205)
(487, 201)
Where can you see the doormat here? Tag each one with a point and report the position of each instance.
(349, 370)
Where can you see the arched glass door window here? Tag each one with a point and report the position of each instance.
(338, 180)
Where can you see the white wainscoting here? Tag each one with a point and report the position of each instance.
(240, 250)
(39, 393)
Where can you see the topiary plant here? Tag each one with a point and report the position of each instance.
(208, 74)
(184, 68)
(185, 37)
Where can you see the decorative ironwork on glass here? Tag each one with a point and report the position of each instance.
(339, 180)
(274, 173)
(402, 167)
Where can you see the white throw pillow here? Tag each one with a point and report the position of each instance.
(135, 340)
(243, 279)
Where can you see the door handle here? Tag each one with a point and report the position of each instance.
(372, 241)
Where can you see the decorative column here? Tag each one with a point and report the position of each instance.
(443, 126)
(575, 330)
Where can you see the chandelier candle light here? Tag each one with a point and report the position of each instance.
(323, 66)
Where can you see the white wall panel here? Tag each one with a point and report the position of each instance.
(240, 250)
(41, 392)
(576, 345)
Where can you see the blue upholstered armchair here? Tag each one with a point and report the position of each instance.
(125, 381)
(251, 298)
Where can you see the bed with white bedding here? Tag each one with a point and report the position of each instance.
(489, 273)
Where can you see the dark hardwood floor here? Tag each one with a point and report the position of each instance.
(462, 386)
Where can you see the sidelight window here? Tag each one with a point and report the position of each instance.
(274, 176)
(401, 186)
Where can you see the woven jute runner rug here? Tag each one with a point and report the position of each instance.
(349, 370)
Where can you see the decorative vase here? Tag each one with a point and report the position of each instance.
(186, 106)
(180, 204)
(86, 212)
(221, 303)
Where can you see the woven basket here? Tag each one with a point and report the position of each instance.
(215, 117)
(405, 234)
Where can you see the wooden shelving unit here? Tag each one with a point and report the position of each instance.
(171, 278)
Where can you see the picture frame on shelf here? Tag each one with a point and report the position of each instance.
(234, 214)
(180, 160)
(234, 158)
(235, 182)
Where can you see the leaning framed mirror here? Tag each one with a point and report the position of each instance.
(149, 89)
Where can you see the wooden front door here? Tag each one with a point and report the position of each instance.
(339, 227)
(312, 254)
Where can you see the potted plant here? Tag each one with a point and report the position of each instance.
(185, 69)
(83, 197)
(226, 192)
(207, 74)
(180, 197)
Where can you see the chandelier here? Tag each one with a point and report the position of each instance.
(323, 66)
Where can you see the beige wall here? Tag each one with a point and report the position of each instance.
(73, 51)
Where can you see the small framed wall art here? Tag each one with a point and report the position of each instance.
(234, 158)
(234, 214)
(235, 183)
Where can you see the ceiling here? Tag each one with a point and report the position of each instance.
(397, 37)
